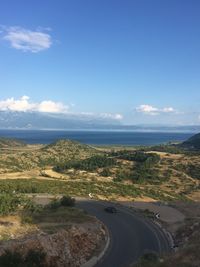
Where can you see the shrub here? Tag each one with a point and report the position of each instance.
(150, 257)
(35, 259)
(15, 259)
(67, 201)
(32, 207)
(10, 259)
(105, 172)
(26, 219)
(9, 203)
(148, 260)
(123, 174)
(54, 204)
(193, 170)
(89, 164)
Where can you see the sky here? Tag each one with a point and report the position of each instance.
(134, 61)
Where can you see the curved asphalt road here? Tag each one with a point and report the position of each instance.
(130, 234)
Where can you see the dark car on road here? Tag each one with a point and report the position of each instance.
(111, 209)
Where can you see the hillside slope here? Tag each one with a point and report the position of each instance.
(10, 143)
(193, 142)
(58, 152)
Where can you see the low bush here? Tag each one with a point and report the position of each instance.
(15, 259)
(54, 204)
(106, 172)
(148, 260)
(190, 169)
(89, 164)
(137, 156)
(9, 203)
(67, 201)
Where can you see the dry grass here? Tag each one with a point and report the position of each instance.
(48, 220)
(61, 218)
(36, 161)
(11, 227)
(15, 159)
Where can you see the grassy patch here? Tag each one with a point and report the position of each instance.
(82, 188)
(51, 220)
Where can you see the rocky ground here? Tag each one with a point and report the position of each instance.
(66, 248)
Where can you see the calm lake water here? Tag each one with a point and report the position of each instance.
(126, 138)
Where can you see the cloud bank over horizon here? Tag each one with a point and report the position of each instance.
(60, 110)
(24, 104)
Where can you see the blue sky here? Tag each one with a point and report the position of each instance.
(135, 61)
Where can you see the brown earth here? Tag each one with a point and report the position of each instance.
(65, 248)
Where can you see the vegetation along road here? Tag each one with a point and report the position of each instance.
(131, 236)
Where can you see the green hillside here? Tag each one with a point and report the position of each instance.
(60, 151)
(10, 143)
(193, 142)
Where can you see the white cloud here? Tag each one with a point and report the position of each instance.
(24, 104)
(27, 40)
(168, 110)
(118, 116)
(106, 116)
(150, 110)
(147, 109)
(16, 105)
(52, 107)
(114, 116)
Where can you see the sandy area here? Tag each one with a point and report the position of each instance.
(20, 175)
(53, 174)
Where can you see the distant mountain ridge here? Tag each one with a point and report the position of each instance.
(37, 120)
(47, 121)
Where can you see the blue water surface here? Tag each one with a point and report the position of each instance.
(126, 138)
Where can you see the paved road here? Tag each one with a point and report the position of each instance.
(130, 234)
